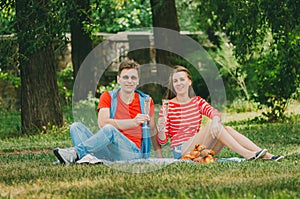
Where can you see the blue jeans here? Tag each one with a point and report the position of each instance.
(177, 151)
(108, 143)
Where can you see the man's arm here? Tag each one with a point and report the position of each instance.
(103, 119)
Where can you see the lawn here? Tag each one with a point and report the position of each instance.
(26, 169)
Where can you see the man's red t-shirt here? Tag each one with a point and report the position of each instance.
(126, 111)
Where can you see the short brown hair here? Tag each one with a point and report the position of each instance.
(128, 64)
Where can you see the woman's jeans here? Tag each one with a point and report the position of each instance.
(108, 143)
(177, 154)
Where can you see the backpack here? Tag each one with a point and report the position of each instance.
(146, 146)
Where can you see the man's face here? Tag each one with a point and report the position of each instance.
(128, 80)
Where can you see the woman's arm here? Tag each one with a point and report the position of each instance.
(162, 137)
(154, 132)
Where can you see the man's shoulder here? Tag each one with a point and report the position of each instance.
(113, 93)
(142, 94)
(105, 95)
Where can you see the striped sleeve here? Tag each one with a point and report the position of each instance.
(206, 109)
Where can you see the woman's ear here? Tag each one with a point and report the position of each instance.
(118, 79)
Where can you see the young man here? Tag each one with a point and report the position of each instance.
(121, 119)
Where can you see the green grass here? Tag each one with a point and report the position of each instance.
(26, 169)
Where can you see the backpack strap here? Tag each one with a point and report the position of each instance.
(114, 101)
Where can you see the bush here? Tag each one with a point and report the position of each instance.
(240, 105)
(65, 84)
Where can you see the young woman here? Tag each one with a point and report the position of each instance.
(182, 124)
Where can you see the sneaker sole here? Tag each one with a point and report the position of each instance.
(276, 160)
(279, 158)
(60, 158)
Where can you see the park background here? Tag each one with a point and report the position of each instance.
(255, 46)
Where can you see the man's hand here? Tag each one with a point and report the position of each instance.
(141, 118)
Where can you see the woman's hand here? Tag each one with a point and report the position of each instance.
(161, 124)
(215, 126)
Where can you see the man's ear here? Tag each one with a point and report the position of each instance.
(118, 79)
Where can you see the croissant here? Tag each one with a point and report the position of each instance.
(200, 154)
(206, 152)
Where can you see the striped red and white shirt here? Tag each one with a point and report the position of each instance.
(184, 120)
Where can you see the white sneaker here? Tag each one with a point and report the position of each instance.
(89, 159)
(67, 156)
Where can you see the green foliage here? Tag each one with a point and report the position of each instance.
(233, 73)
(266, 34)
(47, 28)
(7, 17)
(111, 86)
(278, 73)
(240, 105)
(14, 80)
(85, 111)
(65, 84)
(186, 9)
(9, 55)
(114, 16)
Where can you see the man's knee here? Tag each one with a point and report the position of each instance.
(108, 129)
(74, 127)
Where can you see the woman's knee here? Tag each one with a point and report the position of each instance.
(228, 128)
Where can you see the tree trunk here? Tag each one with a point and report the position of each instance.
(164, 15)
(40, 99)
(81, 42)
(40, 105)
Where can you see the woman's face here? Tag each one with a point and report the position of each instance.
(181, 83)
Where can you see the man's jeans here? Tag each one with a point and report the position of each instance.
(108, 143)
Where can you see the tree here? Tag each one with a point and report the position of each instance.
(265, 34)
(40, 105)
